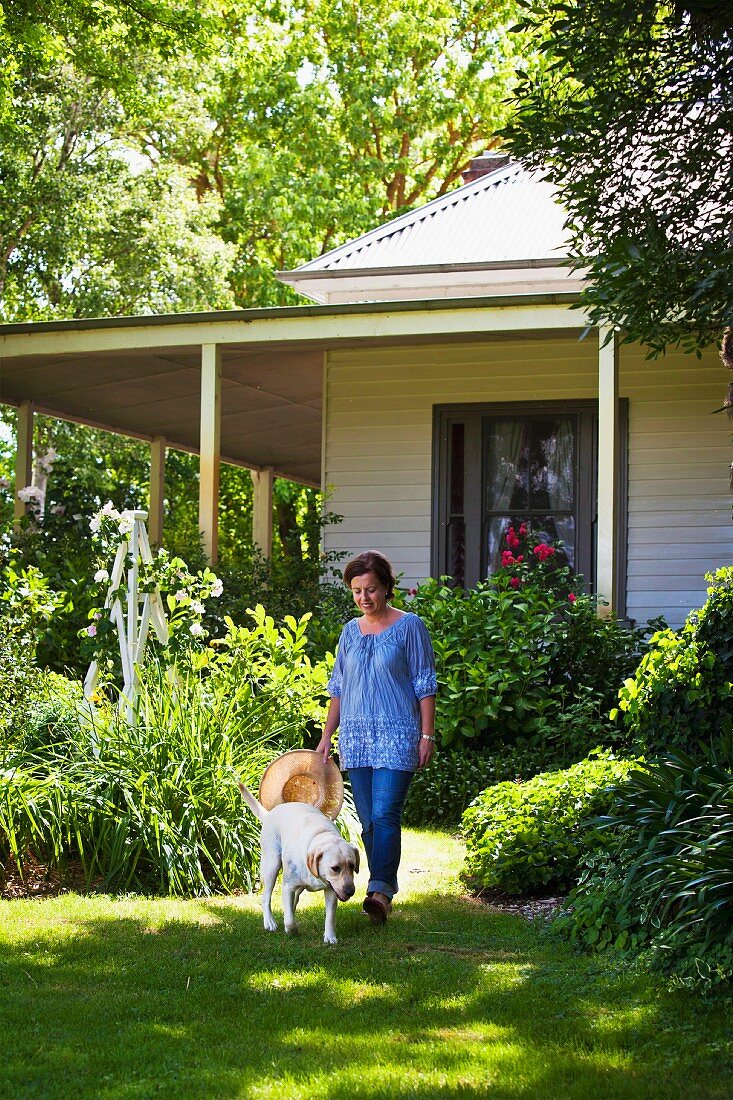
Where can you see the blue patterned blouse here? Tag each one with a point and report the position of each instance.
(380, 679)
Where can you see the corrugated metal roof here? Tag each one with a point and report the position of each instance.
(508, 215)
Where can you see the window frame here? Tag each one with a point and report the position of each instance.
(473, 415)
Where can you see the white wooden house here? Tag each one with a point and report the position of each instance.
(440, 386)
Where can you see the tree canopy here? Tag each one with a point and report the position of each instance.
(158, 157)
(631, 116)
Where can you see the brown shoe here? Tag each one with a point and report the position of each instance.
(376, 910)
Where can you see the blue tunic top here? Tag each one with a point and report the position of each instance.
(380, 679)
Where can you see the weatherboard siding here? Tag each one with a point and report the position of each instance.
(679, 522)
(378, 451)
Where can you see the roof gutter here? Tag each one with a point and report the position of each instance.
(300, 273)
(249, 316)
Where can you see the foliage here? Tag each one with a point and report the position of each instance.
(667, 882)
(630, 117)
(274, 659)
(27, 604)
(521, 649)
(154, 805)
(174, 156)
(371, 108)
(681, 694)
(92, 230)
(51, 715)
(440, 793)
(523, 837)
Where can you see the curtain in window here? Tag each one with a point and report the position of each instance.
(507, 485)
(560, 484)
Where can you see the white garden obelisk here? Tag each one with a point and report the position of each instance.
(131, 612)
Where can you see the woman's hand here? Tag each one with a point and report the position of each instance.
(323, 748)
(425, 752)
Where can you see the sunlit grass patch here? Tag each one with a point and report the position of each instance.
(126, 998)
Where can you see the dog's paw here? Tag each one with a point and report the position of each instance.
(270, 924)
(329, 938)
(292, 929)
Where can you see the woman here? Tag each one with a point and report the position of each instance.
(383, 699)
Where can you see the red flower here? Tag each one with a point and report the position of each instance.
(522, 529)
(507, 558)
(520, 557)
(511, 539)
(515, 582)
(572, 597)
(543, 551)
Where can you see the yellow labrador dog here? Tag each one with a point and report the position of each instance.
(313, 856)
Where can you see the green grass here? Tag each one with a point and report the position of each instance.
(128, 998)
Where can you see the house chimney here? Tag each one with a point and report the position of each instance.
(483, 165)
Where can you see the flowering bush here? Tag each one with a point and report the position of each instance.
(523, 650)
(182, 593)
(527, 559)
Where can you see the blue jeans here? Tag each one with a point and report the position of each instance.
(379, 795)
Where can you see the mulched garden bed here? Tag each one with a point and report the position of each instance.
(531, 908)
(38, 881)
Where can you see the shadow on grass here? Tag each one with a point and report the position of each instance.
(449, 999)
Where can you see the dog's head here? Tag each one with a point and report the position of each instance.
(335, 862)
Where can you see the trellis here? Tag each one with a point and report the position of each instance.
(131, 612)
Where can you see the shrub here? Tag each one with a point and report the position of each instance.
(154, 805)
(52, 716)
(681, 694)
(671, 869)
(27, 604)
(511, 661)
(525, 837)
(441, 792)
(274, 660)
(285, 591)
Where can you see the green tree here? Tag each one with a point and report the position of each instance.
(90, 229)
(319, 118)
(631, 116)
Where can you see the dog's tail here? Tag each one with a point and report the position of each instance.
(257, 809)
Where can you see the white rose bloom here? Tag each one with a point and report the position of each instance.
(101, 575)
(196, 628)
(217, 588)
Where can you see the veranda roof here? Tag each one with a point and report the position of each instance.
(141, 376)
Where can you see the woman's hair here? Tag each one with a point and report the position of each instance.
(371, 561)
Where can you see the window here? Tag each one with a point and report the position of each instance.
(502, 464)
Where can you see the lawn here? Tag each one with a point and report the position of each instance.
(133, 997)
